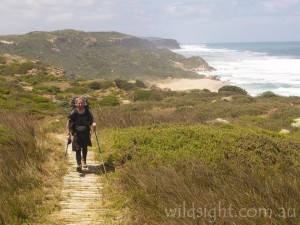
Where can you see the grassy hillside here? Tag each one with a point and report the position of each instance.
(107, 55)
(36, 88)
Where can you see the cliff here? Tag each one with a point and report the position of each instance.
(107, 55)
(164, 43)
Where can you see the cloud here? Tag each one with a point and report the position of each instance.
(190, 9)
(55, 11)
(149, 17)
(62, 17)
(58, 3)
(212, 10)
(276, 5)
(270, 6)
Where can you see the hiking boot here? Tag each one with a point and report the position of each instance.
(78, 168)
(84, 164)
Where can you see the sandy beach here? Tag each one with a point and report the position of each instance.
(182, 84)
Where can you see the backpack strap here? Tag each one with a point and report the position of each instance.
(89, 115)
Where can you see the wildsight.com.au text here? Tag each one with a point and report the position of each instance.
(221, 211)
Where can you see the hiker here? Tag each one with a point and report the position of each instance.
(79, 125)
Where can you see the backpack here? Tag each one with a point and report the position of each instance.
(87, 111)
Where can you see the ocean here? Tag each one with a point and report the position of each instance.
(255, 67)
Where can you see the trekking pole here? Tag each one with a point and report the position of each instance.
(100, 154)
(68, 142)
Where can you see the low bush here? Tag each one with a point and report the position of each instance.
(97, 85)
(124, 84)
(141, 95)
(16, 68)
(111, 100)
(268, 94)
(232, 89)
(94, 85)
(140, 84)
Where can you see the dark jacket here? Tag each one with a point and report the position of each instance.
(80, 127)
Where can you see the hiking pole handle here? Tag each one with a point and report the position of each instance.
(100, 154)
(68, 142)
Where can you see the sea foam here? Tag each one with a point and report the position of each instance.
(256, 72)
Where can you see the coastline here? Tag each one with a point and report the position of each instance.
(183, 84)
(256, 67)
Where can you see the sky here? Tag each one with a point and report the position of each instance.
(188, 21)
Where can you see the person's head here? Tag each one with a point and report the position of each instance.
(80, 102)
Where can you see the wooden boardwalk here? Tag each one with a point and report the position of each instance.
(82, 196)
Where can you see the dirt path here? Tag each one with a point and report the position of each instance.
(82, 194)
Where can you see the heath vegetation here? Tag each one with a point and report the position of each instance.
(166, 151)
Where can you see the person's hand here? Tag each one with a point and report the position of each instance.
(69, 140)
(94, 126)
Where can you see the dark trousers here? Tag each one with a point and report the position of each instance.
(78, 155)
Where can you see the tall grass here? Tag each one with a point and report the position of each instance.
(194, 193)
(110, 117)
(26, 173)
(274, 114)
(174, 174)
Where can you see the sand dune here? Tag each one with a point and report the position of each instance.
(181, 84)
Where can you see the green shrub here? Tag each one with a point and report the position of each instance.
(245, 99)
(109, 101)
(206, 90)
(16, 68)
(140, 84)
(95, 85)
(24, 67)
(156, 95)
(146, 95)
(232, 89)
(141, 95)
(268, 94)
(124, 85)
